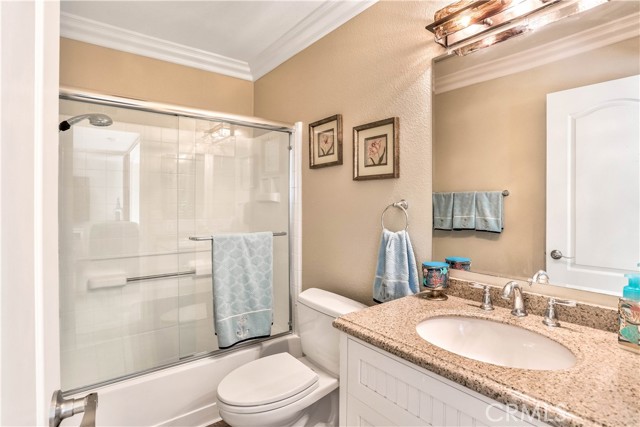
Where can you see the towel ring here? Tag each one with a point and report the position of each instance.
(403, 206)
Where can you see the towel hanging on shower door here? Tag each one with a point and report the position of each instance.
(242, 286)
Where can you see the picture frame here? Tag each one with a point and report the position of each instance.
(325, 142)
(376, 150)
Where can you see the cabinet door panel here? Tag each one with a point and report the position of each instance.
(361, 415)
(412, 396)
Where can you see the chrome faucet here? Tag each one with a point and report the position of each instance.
(514, 288)
(540, 277)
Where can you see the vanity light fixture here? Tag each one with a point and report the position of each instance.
(469, 25)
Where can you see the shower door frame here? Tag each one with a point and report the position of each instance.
(73, 94)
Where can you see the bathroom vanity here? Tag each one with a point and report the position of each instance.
(390, 375)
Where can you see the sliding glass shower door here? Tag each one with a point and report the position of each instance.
(135, 291)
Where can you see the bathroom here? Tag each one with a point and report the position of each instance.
(376, 65)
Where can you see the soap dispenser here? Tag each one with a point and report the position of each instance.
(629, 314)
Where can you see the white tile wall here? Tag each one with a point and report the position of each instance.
(188, 186)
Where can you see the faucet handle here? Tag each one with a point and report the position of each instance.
(567, 302)
(487, 304)
(550, 318)
(478, 285)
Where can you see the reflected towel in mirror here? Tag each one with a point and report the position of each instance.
(489, 211)
(464, 210)
(442, 211)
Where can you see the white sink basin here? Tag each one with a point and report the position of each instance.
(496, 343)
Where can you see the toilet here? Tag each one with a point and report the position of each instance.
(281, 390)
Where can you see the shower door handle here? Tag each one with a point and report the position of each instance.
(64, 408)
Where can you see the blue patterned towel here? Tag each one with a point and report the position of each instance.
(396, 273)
(242, 286)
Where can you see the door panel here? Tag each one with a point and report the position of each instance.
(593, 184)
(29, 344)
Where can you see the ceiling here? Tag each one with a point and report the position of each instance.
(244, 39)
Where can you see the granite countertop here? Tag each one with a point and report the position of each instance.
(602, 389)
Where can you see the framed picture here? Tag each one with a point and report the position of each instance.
(376, 153)
(325, 142)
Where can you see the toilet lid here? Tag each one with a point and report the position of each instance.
(266, 380)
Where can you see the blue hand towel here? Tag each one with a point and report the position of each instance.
(464, 211)
(489, 211)
(396, 272)
(442, 211)
(242, 286)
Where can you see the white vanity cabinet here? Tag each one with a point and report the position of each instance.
(380, 389)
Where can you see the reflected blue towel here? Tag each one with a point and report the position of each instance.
(464, 211)
(396, 272)
(242, 286)
(442, 211)
(489, 211)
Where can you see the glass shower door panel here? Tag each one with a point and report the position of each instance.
(118, 215)
(236, 181)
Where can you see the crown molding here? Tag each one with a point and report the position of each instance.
(593, 38)
(98, 33)
(326, 18)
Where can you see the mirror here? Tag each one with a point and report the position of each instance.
(490, 128)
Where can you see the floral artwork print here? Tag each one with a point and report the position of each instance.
(375, 151)
(325, 143)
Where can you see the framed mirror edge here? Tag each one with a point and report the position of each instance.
(550, 290)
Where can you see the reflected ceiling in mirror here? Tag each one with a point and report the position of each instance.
(490, 126)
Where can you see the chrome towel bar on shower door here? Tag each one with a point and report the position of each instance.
(160, 276)
(187, 272)
(203, 238)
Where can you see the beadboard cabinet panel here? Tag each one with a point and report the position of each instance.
(361, 415)
(380, 389)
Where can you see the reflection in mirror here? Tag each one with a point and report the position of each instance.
(490, 133)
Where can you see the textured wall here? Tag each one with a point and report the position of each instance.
(112, 72)
(376, 66)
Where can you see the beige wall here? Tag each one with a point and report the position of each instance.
(492, 136)
(376, 66)
(112, 72)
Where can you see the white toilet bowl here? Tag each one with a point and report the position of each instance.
(281, 390)
(248, 397)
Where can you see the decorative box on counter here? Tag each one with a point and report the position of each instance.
(629, 333)
(458, 263)
(434, 279)
(629, 314)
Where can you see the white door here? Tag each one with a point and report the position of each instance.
(593, 185)
(29, 34)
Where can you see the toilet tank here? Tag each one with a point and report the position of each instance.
(317, 309)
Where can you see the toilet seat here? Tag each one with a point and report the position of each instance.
(266, 384)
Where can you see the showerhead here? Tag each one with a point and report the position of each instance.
(96, 119)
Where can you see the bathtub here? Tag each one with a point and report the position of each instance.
(183, 395)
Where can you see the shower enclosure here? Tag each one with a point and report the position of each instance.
(135, 291)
